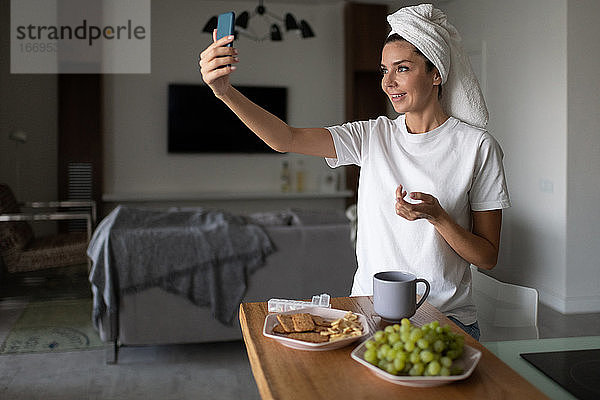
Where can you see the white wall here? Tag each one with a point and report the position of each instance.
(540, 58)
(136, 158)
(526, 78)
(583, 185)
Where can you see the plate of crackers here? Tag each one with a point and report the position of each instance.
(316, 328)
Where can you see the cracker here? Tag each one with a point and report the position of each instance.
(303, 322)
(278, 329)
(312, 337)
(320, 321)
(343, 328)
(316, 329)
(286, 322)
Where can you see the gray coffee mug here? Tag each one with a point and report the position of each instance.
(395, 294)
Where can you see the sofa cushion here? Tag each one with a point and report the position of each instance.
(273, 218)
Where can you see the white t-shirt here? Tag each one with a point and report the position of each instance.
(459, 164)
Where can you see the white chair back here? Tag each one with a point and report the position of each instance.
(504, 311)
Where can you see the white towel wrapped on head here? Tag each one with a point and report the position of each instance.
(428, 29)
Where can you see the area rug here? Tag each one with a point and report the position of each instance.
(53, 326)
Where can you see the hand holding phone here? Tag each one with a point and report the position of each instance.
(215, 73)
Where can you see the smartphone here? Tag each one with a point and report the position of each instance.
(226, 25)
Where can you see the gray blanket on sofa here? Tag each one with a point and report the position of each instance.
(200, 254)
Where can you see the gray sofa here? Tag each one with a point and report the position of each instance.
(314, 255)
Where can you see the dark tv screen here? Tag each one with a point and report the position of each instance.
(200, 123)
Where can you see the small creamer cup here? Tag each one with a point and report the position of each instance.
(395, 294)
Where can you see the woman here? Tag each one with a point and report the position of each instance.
(432, 187)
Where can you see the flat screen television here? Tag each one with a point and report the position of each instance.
(200, 123)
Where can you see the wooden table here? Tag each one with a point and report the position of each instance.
(283, 373)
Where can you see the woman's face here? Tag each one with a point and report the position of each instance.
(405, 79)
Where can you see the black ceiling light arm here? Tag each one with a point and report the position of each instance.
(275, 32)
(260, 9)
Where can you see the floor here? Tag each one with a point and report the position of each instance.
(202, 371)
(209, 371)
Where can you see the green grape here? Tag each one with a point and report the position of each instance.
(434, 368)
(417, 369)
(399, 345)
(430, 337)
(391, 354)
(458, 340)
(426, 356)
(379, 336)
(452, 354)
(394, 337)
(416, 334)
(399, 364)
(401, 355)
(391, 369)
(414, 357)
(446, 362)
(439, 346)
(371, 356)
(410, 350)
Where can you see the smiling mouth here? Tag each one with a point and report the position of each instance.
(397, 97)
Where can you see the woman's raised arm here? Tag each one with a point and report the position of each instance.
(217, 62)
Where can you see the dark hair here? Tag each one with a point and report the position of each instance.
(394, 37)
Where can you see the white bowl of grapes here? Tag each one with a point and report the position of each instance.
(430, 355)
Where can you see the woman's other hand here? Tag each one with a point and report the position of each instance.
(429, 207)
(479, 246)
(216, 64)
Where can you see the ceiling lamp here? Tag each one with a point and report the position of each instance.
(273, 21)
